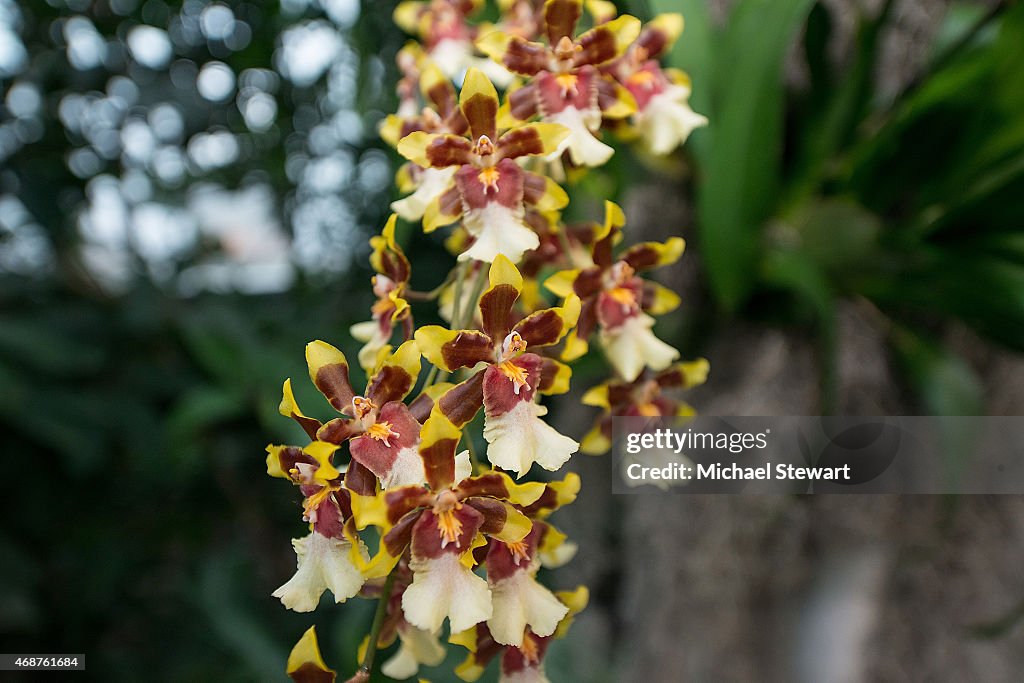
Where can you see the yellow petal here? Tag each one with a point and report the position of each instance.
(560, 383)
(596, 396)
(595, 442)
(670, 24)
(321, 451)
(414, 146)
(494, 45)
(466, 639)
(622, 106)
(614, 218)
(434, 218)
(319, 354)
(551, 135)
(391, 129)
(479, 541)
(406, 357)
(554, 197)
(438, 428)
(288, 405)
(406, 16)
(560, 284)
(306, 651)
(476, 83)
(525, 494)
(370, 511)
(504, 272)
(274, 462)
(516, 527)
(567, 489)
(626, 29)
(665, 300)
(431, 339)
(574, 347)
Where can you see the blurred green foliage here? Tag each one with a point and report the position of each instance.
(838, 190)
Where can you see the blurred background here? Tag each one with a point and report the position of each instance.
(186, 192)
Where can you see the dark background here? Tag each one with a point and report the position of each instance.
(181, 212)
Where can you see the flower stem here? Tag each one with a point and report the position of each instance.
(471, 447)
(478, 288)
(366, 668)
(457, 300)
(563, 240)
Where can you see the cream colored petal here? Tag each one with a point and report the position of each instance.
(520, 438)
(323, 563)
(463, 466)
(453, 57)
(407, 470)
(584, 148)
(667, 120)
(442, 588)
(498, 230)
(520, 601)
(416, 647)
(433, 183)
(632, 345)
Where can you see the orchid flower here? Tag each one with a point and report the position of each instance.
(506, 375)
(663, 117)
(618, 302)
(490, 190)
(565, 85)
(391, 308)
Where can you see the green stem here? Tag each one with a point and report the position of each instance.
(457, 301)
(471, 447)
(378, 622)
(563, 240)
(478, 288)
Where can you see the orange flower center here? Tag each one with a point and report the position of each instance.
(642, 78)
(382, 431)
(519, 551)
(515, 373)
(362, 407)
(450, 526)
(529, 649)
(623, 295)
(382, 307)
(649, 410)
(567, 82)
(489, 177)
(312, 504)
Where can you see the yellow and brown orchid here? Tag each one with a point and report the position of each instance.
(566, 85)
(435, 110)
(663, 118)
(389, 285)
(443, 29)
(643, 397)
(522, 663)
(617, 303)
(506, 375)
(490, 191)
(441, 524)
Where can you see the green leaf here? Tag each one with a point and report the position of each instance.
(943, 381)
(742, 169)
